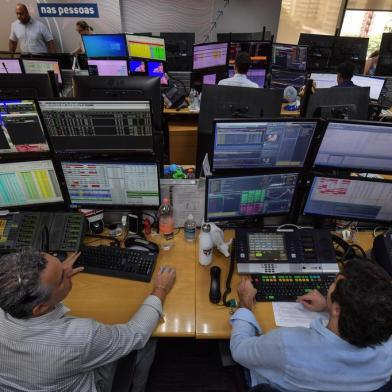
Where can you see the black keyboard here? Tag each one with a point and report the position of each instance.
(287, 287)
(118, 262)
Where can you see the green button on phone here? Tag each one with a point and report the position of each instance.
(259, 254)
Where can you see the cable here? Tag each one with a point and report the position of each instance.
(378, 228)
(229, 276)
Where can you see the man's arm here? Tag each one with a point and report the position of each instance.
(12, 45)
(51, 46)
(107, 343)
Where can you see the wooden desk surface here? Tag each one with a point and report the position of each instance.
(111, 300)
(212, 321)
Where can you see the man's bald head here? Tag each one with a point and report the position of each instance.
(22, 13)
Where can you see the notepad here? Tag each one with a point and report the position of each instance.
(293, 314)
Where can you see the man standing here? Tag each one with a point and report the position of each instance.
(351, 351)
(43, 349)
(33, 35)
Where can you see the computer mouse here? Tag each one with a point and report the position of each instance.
(138, 243)
(215, 293)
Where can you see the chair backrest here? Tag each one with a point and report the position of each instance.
(263, 388)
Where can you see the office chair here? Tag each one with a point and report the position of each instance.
(123, 376)
(262, 388)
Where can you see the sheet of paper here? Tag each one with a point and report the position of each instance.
(293, 314)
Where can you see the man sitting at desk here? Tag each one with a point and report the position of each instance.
(352, 351)
(43, 349)
(345, 72)
(241, 68)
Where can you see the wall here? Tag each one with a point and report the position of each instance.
(63, 29)
(197, 16)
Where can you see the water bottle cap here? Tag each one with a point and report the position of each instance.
(165, 200)
(190, 217)
(206, 228)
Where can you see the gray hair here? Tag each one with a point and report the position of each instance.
(21, 288)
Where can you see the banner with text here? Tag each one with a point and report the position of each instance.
(71, 10)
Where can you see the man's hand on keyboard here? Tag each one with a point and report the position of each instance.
(313, 301)
(164, 282)
(246, 294)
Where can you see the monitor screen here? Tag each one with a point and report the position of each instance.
(28, 183)
(376, 85)
(10, 66)
(324, 80)
(96, 125)
(289, 57)
(156, 68)
(151, 48)
(209, 79)
(259, 52)
(112, 183)
(254, 74)
(21, 130)
(356, 146)
(137, 66)
(249, 196)
(104, 45)
(107, 67)
(264, 144)
(42, 67)
(350, 198)
(210, 55)
(282, 79)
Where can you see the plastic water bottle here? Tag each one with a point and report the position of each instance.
(166, 219)
(192, 100)
(205, 245)
(190, 228)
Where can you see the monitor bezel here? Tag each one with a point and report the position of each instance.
(290, 46)
(308, 158)
(215, 66)
(13, 59)
(43, 61)
(147, 36)
(108, 160)
(238, 218)
(40, 206)
(310, 182)
(97, 152)
(317, 147)
(16, 155)
(106, 57)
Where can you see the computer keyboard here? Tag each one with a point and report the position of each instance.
(118, 262)
(287, 287)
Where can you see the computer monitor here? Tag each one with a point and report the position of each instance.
(356, 146)
(209, 79)
(66, 60)
(349, 103)
(25, 86)
(29, 184)
(329, 80)
(98, 125)
(178, 44)
(111, 184)
(281, 78)
(255, 75)
(232, 102)
(38, 66)
(289, 57)
(352, 49)
(150, 48)
(21, 129)
(105, 45)
(107, 67)
(350, 198)
(10, 66)
(208, 76)
(249, 196)
(384, 64)
(132, 88)
(157, 68)
(137, 67)
(319, 50)
(261, 144)
(210, 55)
(259, 52)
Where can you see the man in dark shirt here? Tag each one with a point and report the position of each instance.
(345, 73)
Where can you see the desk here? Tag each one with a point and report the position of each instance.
(111, 300)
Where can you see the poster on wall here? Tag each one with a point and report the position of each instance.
(60, 16)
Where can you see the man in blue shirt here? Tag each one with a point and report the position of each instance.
(345, 72)
(352, 351)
